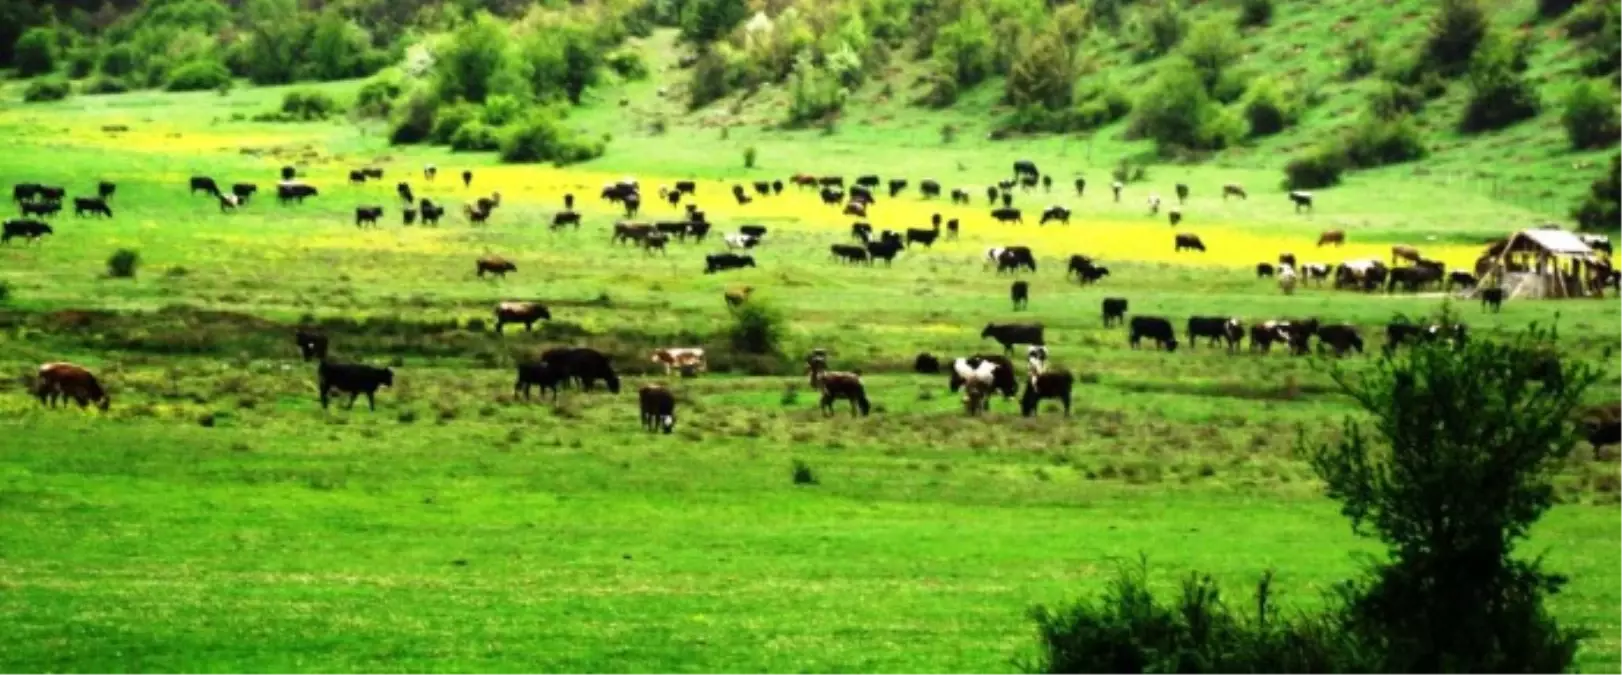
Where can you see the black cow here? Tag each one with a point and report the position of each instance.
(1302, 200)
(105, 189)
(205, 184)
(50, 194)
(404, 190)
(831, 196)
(1003, 379)
(1215, 329)
(762, 188)
(897, 185)
(565, 218)
(294, 192)
(1461, 279)
(356, 176)
(923, 236)
(538, 374)
(1189, 242)
(1092, 274)
(1081, 187)
(583, 364)
(1010, 334)
(1007, 215)
(868, 181)
(1114, 310)
(687, 187)
(1056, 383)
(42, 209)
(1025, 167)
(1182, 193)
(91, 205)
(288, 173)
(311, 345)
(1413, 278)
(850, 253)
(885, 250)
(1020, 293)
(467, 178)
(960, 196)
(23, 192)
(243, 191)
(1264, 270)
(991, 195)
(756, 231)
(27, 229)
(431, 212)
(777, 187)
(1341, 338)
(1152, 327)
(929, 188)
(367, 215)
(1493, 297)
(726, 261)
(1058, 213)
(408, 215)
(859, 193)
(1013, 258)
(861, 231)
(354, 379)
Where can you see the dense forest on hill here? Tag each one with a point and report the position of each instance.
(1317, 90)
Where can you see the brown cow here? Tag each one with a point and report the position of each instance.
(496, 265)
(1402, 252)
(526, 313)
(658, 408)
(1336, 237)
(631, 232)
(841, 385)
(66, 380)
(738, 296)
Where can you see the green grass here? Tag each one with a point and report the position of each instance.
(217, 519)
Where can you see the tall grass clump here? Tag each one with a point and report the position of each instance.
(122, 264)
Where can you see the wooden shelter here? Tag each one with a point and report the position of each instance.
(1545, 262)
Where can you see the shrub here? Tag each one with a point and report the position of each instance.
(1319, 168)
(814, 94)
(1163, 28)
(308, 104)
(81, 62)
(1391, 100)
(1042, 74)
(35, 52)
(757, 328)
(704, 21)
(1176, 112)
(628, 64)
(802, 474)
(749, 155)
(1603, 58)
(1214, 47)
(376, 97)
(965, 50)
(475, 137)
(5, 291)
(53, 88)
(1499, 96)
(117, 61)
(501, 110)
(1554, 9)
(414, 121)
(1255, 13)
(199, 76)
(449, 119)
(1456, 30)
(1376, 142)
(1360, 58)
(1599, 210)
(1268, 108)
(1589, 116)
(542, 139)
(122, 264)
(104, 84)
(710, 80)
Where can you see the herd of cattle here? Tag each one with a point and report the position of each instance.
(978, 375)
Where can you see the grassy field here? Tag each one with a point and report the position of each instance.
(217, 519)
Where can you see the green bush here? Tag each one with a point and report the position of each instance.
(1360, 58)
(52, 88)
(35, 53)
(628, 64)
(1255, 13)
(449, 119)
(308, 105)
(1161, 28)
(710, 80)
(757, 328)
(749, 156)
(122, 263)
(118, 61)
(104, 84)
(1391, 100)
(475, 136)
(1590, 116)
(1175, 111)
(1554, 9)
(1376, 142)
(1603, 58)
(542, 139)
(1268, 107)
(5, 291)
(414, 121)
(705, 21)
(501, 110)
(1499, 96)
(814, 95)
(1319, 168)
(376, 98)
(199, 76)
(1455, 31)
(81, 62)
(1042, 74)
(1599, 210)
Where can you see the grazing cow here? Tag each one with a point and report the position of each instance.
(1366, 274)
(738, 194)
(1010, 334)
(842, 385)
(61, 381)
(1020, 293)
(896, 186)
(205, 184)
(1114, 311)
(763, 188)
(856, 208)
(1025, 167)
(526, 313)
(1414, 278)
(1092, 274)
(1297, 334)
(697, 229)
(27, 229)
(831, 197)
(403, 189)
(923, 236)
(1341, 338)
(861, 231)
(1049, 384)
(726, 261)
(356, 177)
(229, 203)
(976, 378)
(538, 374)
(672, 229)
(630, 232)
(1493, 297)
(367, 215)
(632, 203)
(687, 187)
(951, 228)
(22, 192)
(655, 241)
(803, 181)
(1264, 334)
(1461, 279)
(756, 231)
(991, 195)
(1055, 212)
(735, 297)
(1399, 334)
(1047, 183)
(1215, 329)
(474, 214)
(1336, 237)
(1409, 253)
(41, 209)
(1007, 214)
(860, 193)
(685, 359)
(960, 196)
(1233, 190)
(926, 364)
(743, 241)
(294, 192)
(1189, 242)
(1316, 272)
(373, 173)
(1174, 216)
(1153, 327)
(431, 212)
(929, 188)
(408, 215)
(658, 407)
(354, 379)
(1007, 199)
(288, 173)
(243, 191)
(1078, 264)
(1287, 279)
(1264, 270)
(92, 205)
(564, 219)
(1013, 258)
(49, 194)
(467, 179)
(494, 264)
(867, 181)
(1154, 205)
(568, 201)
(583, 364)
(850, 253)
(105, 189)
(885, 249)
(1301, 199)
(311, 344)
(429, 172)
(1182, 193)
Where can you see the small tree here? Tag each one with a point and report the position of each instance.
(1499, 95)
(1599, 210)
(1043, 73)
(757, 328)
(1255, 13)
(1590, 116)
(1456, 30)
(1451, 471)
(35, 52)
(705, 21)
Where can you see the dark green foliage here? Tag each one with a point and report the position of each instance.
(710, 80)
(562, 61)
(1175, 111)
(1268, 107)
(802, 473)
(199, 76)
(965, 50)
(1254, 13)
(1451, 471)
(1360, 58)
(757, 328)
(1160, 29)
(475, 63)
(376, 98)
(449, 119)
(1590, 116)
(1043, 73)
(1318, 168)
(1499, 95)
(1603, 57)
(815, 95)
(1101, 103)
(1128, 630)
(1456, 29)
(414, 121)
(52, 88)
(80, 62)
(1214, 48)
(122, 264)
(1376, 142)
(117, 61)
(704, 21)
(5, 291)
(1553, 9)
(104, 84)
(1599, 211)
(35, 52)
(542, 139)
(628, 64)
(1391, 100)
(308, 105)
(475, 136)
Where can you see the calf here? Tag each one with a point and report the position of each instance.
(354, 379)
(726, 261)
(27, 229)
(897, 185)
(929, 189)
(538, 374)
(1114, 310)
(1189, 242)
(1302, 200)
(526, 313)
(1215, 329)
(685, 359)
(564, 219)
(960, 196)
(658, 407)
(496, 265)
(655, 241)
(1020, 293)
(294, 192)
(841, 385)
(1011, 334)
(1092, 274)
(62, 380)
(1153, 327)
(367, 215)
(311, 345)
(926, 364)
(1055, 383)
(1058, 213)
